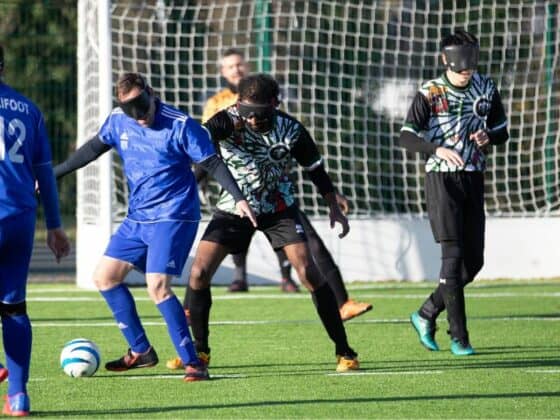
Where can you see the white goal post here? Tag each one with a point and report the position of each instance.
(348, 71)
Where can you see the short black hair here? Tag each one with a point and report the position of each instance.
(233, 51)
(259, 88)
(1, 58)
(459, 37)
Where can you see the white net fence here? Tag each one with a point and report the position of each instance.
(348, 71)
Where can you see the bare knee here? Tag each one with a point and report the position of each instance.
(200, 277)
(159, 287)
(110, 273)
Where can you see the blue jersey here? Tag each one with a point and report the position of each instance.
(24, 152)
(157, 162)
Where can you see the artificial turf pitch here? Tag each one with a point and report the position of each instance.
(272, 359)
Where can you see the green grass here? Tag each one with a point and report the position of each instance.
(283, 365)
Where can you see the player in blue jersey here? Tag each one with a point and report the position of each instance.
(25, 158)
(157, 144)
(258, 143)
(453, 120)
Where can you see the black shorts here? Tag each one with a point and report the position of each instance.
(455, 204)
(235, 233)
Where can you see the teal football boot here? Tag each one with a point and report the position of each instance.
(461, 349)
(426, 331)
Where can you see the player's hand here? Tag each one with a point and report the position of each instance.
(480, 137)
(58, 242)
(245, 210)
(343, 203)
(336, 215)
(450, 156)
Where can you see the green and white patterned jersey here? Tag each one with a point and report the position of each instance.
(445, 115)
(261, 163)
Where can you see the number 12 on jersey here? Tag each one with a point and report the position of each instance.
(13, 127)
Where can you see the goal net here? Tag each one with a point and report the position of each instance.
(348, 71)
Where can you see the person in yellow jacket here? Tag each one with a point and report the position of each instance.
(233, 68)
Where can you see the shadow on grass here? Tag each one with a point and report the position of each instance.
(127, 412)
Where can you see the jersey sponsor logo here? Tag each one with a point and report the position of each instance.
(124, 141)
(481, 107)
(278, 152)
(438, 99)
(14, 105)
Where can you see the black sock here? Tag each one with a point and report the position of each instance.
(334, 279)
(284, 263)
(240, 262)
(324, 301)
(186, 299)
(433, 306)
(454, 299)
(199, 304)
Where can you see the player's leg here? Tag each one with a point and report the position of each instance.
(287, 284)
(453, 296)
(475, 228)
(446, 201)
(239, 283)
(438, 205)
(15, 253)
(284, 231)
(125, 251)
(349, 308)
(169, 244)
(226, 233)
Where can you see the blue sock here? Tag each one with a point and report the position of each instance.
(174, 316)
(122, 305)
(16, 332)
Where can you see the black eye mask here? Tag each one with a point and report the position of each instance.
(461, 57)
(138, 106)
(260, 112)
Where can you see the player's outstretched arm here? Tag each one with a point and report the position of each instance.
(87, 153)
(220, 172)
(57, 240)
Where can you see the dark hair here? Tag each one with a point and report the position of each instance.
(129, 81)
(459, 37)
(1, 58)
(232, 51)
(260, 88)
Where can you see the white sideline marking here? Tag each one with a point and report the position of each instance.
(306, 296)
(543, 371)
(40, 324)
(406, 372)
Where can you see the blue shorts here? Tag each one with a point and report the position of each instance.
(16, 246)
(158, 247)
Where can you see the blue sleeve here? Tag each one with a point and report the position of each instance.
(197, 142)
(49, 194)
(41, 147)
(105, 133)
